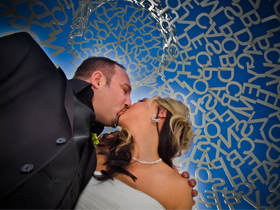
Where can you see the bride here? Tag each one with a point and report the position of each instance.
(134, 165)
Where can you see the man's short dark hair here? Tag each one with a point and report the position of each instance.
(92, 64)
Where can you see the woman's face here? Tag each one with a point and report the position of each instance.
(139, 114)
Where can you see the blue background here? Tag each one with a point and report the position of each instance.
(227, 71)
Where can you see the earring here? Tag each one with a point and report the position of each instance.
(154, 119)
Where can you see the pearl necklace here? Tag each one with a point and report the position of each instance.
(144, 162)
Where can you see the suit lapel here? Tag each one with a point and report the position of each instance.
(69, 104)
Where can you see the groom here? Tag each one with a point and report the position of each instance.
(46, 153)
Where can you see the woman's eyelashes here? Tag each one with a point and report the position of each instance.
(143, 100)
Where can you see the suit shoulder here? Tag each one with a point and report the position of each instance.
(18, 35)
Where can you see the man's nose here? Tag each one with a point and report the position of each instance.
(127, 102)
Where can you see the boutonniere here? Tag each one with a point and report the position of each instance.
(94, 138)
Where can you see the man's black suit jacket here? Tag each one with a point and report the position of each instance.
(46, 154)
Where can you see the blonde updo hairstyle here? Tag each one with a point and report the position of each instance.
(176, 133)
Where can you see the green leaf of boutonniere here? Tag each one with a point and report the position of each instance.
(94, 138)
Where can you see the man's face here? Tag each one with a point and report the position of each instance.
(111, 101)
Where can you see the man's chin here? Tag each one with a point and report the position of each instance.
(115, 123)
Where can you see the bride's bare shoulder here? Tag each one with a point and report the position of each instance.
(179, 194)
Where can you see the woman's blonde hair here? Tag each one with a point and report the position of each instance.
(177, 129)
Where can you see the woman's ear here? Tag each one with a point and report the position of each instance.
(97, 79)
(162, 113)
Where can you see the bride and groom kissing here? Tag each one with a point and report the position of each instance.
(47, 156)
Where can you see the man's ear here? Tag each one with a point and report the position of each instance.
(162, 113)
(97, 79)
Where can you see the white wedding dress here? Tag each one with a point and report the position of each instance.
(114, 195)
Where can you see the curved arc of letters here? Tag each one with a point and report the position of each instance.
(156, 11)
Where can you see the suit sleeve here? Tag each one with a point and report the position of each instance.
(32, 110)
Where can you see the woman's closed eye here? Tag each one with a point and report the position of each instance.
(143, 100)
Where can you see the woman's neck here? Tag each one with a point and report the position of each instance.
(145, 146)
